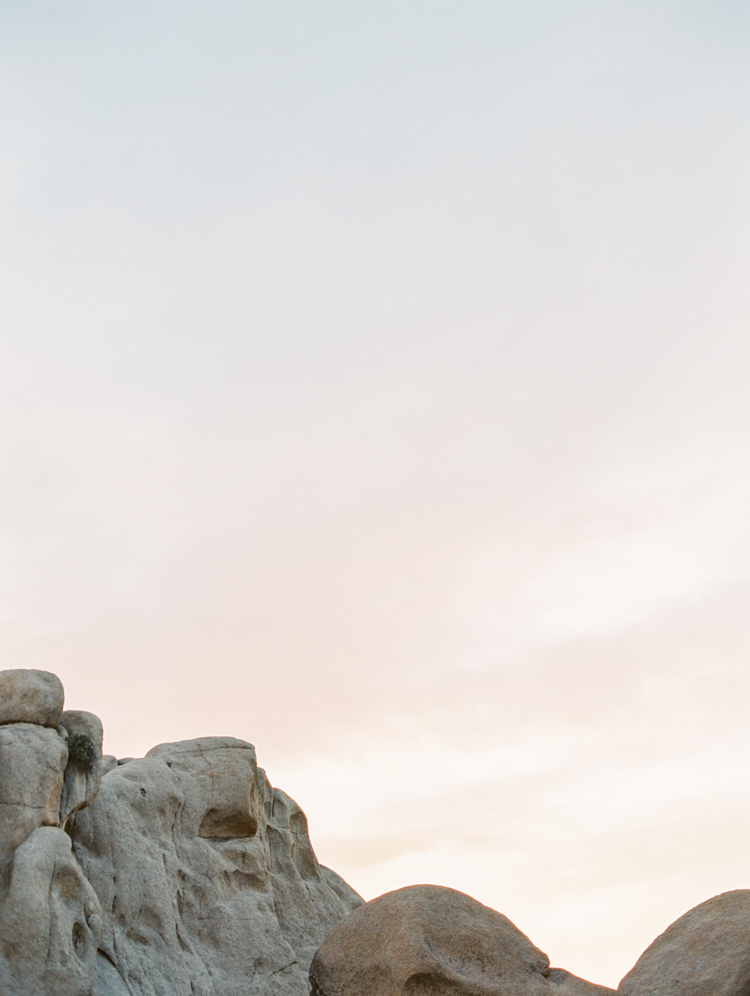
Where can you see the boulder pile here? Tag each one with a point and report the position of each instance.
(185, 873)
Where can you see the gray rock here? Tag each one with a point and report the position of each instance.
(426, 940)
(28, 696)
(190, 875)
(207, 879)
(32, 766)
(566, 984)
(109, 761)
(50, 921)
(704, 953)
(83, 774)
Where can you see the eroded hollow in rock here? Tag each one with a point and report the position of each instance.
(217, 823)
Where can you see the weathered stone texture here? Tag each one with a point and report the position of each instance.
(32, 769)
(28, 696)
(50, 920)
(185, 873)
(704, 953)
(426, 940)
(83, 776)
(206, 876)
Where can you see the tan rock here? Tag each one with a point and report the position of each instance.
(222, 771)
(28, 696)
(50, 921)
(566, 984)
(704, 953)
(83, 774)
(32, 766)
(209, 885)
(207, 879)
(426, 940)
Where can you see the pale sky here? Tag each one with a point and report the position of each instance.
(374, 388)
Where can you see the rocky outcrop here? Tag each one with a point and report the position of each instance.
(207, 879)
(32, 771)
(426, 940)
(83, 774)
(704, 953)
(186, 873)
(50, 917)
(50, 921)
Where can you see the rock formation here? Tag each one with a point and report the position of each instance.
(207, 879)
(704, 953)
(185, 873)
(50, 917)
(426, 940)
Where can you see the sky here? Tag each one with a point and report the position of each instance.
(373, 388)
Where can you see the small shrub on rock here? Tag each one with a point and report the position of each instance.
(81, 750)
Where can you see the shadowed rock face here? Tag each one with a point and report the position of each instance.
(207, 878)
(50, 918)
(426, 940)
(83, 774)
(704, 953)
(50, 921)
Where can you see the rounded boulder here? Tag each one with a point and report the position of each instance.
(704, 953)
(28, 696)
(427, 940)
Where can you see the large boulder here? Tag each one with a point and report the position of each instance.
(207, 879)
(28, 696)
(50, 921)
(426, 940)
(704, 953)
(32, 769)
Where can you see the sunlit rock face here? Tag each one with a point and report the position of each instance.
(28, 696)
(183, 872)
(32, 772)
(426, 940)
(704, 953)
(207, 879)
